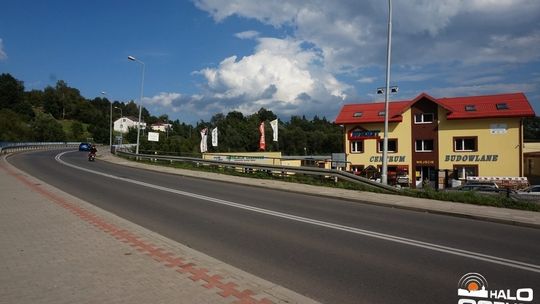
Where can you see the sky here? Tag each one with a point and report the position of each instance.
(294, 57)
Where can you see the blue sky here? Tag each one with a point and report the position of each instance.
(204, 57)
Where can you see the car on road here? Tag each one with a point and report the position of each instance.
(85, 146)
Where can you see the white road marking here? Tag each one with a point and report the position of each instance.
(382, 236)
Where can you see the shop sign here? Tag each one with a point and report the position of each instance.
(391, 159)
(359, 133)
(498, 129)
(425, 162)
(472, 158)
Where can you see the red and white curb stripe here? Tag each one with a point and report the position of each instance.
(224, 288)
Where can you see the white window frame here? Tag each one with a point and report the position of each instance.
(423, 145)
(422, 118)
(462, 139)
(354, 146)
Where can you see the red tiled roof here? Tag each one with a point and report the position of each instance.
(486, 107)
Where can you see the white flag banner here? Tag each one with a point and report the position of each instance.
(204, 139)
(214, 137)
(274, 125)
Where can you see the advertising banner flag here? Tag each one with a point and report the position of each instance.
(274, 125)
(262, 141)
(204, 139)
(214, 137)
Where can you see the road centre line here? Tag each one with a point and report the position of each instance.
(382, 236)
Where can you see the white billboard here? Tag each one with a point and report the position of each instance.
(153, 136)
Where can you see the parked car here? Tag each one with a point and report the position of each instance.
(532, 190)
(478, 187)
(85, 146)
(479, 184)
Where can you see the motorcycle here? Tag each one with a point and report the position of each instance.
(91, 156)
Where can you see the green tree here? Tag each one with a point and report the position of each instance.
(45, 128)
(531, 129)
(11, 91)
(12, 127)
(77, 131)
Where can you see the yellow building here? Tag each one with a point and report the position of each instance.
(429, 138)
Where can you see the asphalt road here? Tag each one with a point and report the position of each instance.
(326, 249)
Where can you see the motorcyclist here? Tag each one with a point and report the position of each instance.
(93, 151)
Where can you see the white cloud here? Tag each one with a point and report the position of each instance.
(367, 79)
(352, 34)
(280, 74)
(485, 89)
(247, 35)
(347, 38)
(162, 99)
(3, 55)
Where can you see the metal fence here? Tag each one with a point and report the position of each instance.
(273, 169)
(7, 147)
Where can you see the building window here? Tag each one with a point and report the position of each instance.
(467, 170)
(502, 106)
(424, 145)
(423, 118)
(357, 114)
(392, 145)
(470, 108)
(381, 113)
(465, 144)
(357, 146)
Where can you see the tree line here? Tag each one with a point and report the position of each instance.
(61, 113)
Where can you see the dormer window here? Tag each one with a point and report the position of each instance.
(381, 113)
(470, 108)
(502, 106)
(357, 114)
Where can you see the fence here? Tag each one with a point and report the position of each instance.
(14, 147)
(250, 167)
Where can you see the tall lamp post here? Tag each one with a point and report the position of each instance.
(110, 119)
(384, 174)
(140, 101)
(121, 115)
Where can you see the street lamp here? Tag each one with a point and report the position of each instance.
(140, 101)
(121, 115)
(384, 174)
(110, 119)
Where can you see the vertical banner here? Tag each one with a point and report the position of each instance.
(204, 139)
(262, 141)
(214, 137)
(274, 125)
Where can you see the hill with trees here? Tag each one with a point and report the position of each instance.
(60, 113)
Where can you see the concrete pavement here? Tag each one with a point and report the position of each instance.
(59, 249)
(487, 213)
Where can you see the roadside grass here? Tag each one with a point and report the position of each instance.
(467, 197)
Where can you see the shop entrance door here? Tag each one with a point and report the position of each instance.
(426, 176)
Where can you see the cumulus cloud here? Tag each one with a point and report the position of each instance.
(3, 54)
(448, 42)
(276, 76)
(352, 34)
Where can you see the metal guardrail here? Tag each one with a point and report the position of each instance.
(15, 147)
(262, 167)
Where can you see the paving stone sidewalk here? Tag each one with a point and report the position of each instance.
(56, 248)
